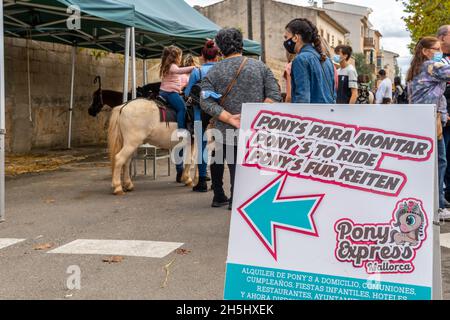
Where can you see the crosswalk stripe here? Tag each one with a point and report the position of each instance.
(445, 240)
(134, 248)
(6, 242)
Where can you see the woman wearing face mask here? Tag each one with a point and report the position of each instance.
(427, 78)
(312, 71)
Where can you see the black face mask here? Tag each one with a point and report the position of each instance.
(289, 45)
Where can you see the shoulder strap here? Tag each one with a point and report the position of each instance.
(233, 82)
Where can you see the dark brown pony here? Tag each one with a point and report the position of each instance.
(111, 98)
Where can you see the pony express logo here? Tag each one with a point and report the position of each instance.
(384, 248)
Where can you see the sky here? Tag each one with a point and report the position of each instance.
(386, 18)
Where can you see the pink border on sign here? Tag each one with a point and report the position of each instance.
(357, 130)
(275, 226)
(385, 224)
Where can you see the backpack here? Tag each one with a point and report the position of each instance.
(194, 96)
(363, 94)
(194, 100)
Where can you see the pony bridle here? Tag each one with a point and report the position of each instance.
(99, 89)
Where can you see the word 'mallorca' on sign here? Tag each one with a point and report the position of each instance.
(267, 211)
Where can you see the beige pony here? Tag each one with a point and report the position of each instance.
(130, 126)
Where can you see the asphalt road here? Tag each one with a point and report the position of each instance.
(76, 203)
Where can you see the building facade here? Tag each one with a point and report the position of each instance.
(265, 22)
(390, 64)
(363, 37)
(354, 18)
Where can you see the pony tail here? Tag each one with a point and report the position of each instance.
(115, 138)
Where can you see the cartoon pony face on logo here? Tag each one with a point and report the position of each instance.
(410, 220)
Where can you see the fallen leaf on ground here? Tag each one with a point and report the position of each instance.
(20, 164)
(113, 259)
(50, 201)
(166, 268)
(182, 251)
(43, 246)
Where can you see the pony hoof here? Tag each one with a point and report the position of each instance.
(128, 188)
(118, 192)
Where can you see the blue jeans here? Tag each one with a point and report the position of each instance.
(177, 103)
(447, 149)
(442, 167)
(202, 157)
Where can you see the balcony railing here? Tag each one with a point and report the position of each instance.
(369, 43)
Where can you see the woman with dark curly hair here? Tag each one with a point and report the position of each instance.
(230, 83)
(312, 71)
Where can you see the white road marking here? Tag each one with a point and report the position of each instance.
(445, 240)
(133, 248)
(9, 242)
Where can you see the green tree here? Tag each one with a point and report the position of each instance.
(398, 71)
(362, 67)
(424, 17)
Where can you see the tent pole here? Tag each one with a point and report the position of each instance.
(144, 72)
(133, 63)
(127, 64)
(72, 85)
(2, 119)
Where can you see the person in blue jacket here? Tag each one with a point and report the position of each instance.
(210, 54)
(312, 71)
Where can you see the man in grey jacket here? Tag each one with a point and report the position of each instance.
(255, 83)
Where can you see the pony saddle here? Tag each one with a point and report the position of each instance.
(167, 114)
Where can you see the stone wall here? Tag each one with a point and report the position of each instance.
(50, 68)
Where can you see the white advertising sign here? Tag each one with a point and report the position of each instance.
(333, 202)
